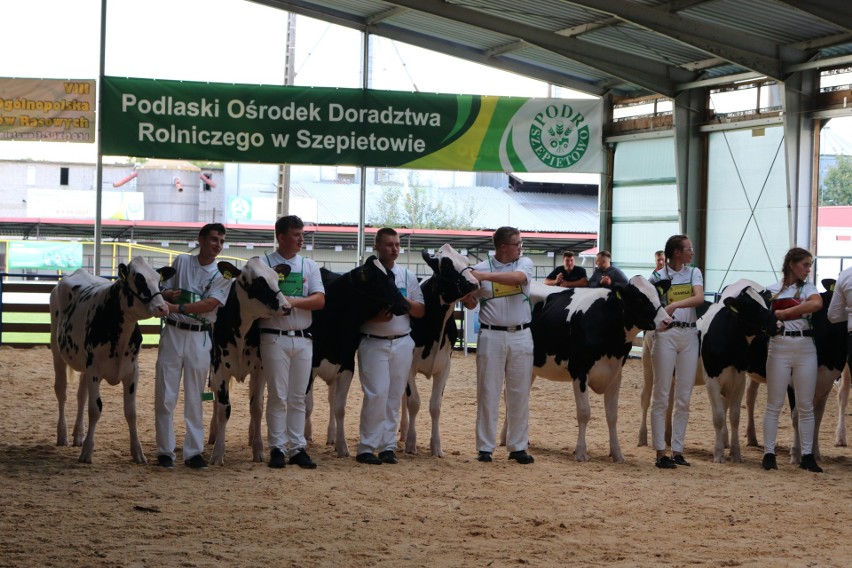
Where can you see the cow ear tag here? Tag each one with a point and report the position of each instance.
(733, 309)
(227, 275)
(618, 294)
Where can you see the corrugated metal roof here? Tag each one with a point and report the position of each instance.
(639, 47)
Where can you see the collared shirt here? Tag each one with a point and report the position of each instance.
(840, 308)
(792, 291)
(202, 282)
(311, 283)
(501, 304)
(409, 287)
(682, 283)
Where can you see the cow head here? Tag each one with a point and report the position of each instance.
(641, 304)
(452, 273)
(375, 286)
(259, 282)
(751, 307)
(141, 286)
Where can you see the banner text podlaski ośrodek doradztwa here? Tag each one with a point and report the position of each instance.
(327, 126)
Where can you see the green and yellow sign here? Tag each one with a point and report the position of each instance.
(327, 126)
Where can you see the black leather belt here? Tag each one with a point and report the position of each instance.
(805, 333)
(504, 327)
(188, 326)
(389, 337)
(682, 324)
(287, 332)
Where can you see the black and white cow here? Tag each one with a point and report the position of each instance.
(831, 347)
(350, 300)
(236, 345)
(94, 330)
(434, 336)
(584, 335)
(725, 332)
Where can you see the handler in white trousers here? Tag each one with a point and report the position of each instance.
(286, 348)
(194, 293)
(675, 349)
(504, 348)
(385, 354)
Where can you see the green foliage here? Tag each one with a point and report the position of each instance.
(417, 210)
(837, 186)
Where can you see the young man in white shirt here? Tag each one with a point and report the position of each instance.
(504, 349)
(384, 359)
(194, 293)
(287, 350)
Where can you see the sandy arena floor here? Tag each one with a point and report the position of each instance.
(424, 511)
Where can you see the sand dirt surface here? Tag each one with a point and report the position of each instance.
(424, 511)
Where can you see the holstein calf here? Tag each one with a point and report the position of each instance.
(236, 345)
(584, 335)
(831, 347)
(350, 300)
(94, 330)
(725, 332)
(434, 336)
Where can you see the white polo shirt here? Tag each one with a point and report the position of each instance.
(504, 305)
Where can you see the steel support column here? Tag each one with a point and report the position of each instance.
(690, 150)
(800, 90)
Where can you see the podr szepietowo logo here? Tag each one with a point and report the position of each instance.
(554, 135)
(558, 136)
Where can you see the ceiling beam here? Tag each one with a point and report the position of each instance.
(832, 11)
(652, 75)
(757, 54)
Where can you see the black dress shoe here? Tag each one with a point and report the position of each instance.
(368, 457)
(809, 463)
(680, 460)
(521, 456)
(277, 458)
(388, 456)
(303, 460)
(769, 462)
(665, 462)
(484, 457)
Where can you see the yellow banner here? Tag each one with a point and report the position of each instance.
(47, 110)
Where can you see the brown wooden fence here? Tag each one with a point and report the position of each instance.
(31, 303)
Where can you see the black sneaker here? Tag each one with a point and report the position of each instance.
(665, 462)
(809, 463)
(388, 456)
(680, 460)
(484, 457)
(521, 456)
(196, 462)
(369, 458)
(769, 462)
(277, 458)
(303, 460)
(165, 461)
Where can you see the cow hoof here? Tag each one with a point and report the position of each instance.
(618, 459)
(258, 457)
(837, 444)
(411, 449)
(581, 456)
(438, 454)
(84, 458)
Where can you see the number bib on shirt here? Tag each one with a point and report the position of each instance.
(291, 285)
(679, 292)
(503, 290)
(187, 297)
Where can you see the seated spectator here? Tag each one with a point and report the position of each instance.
(606, 275)
(567, 275)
